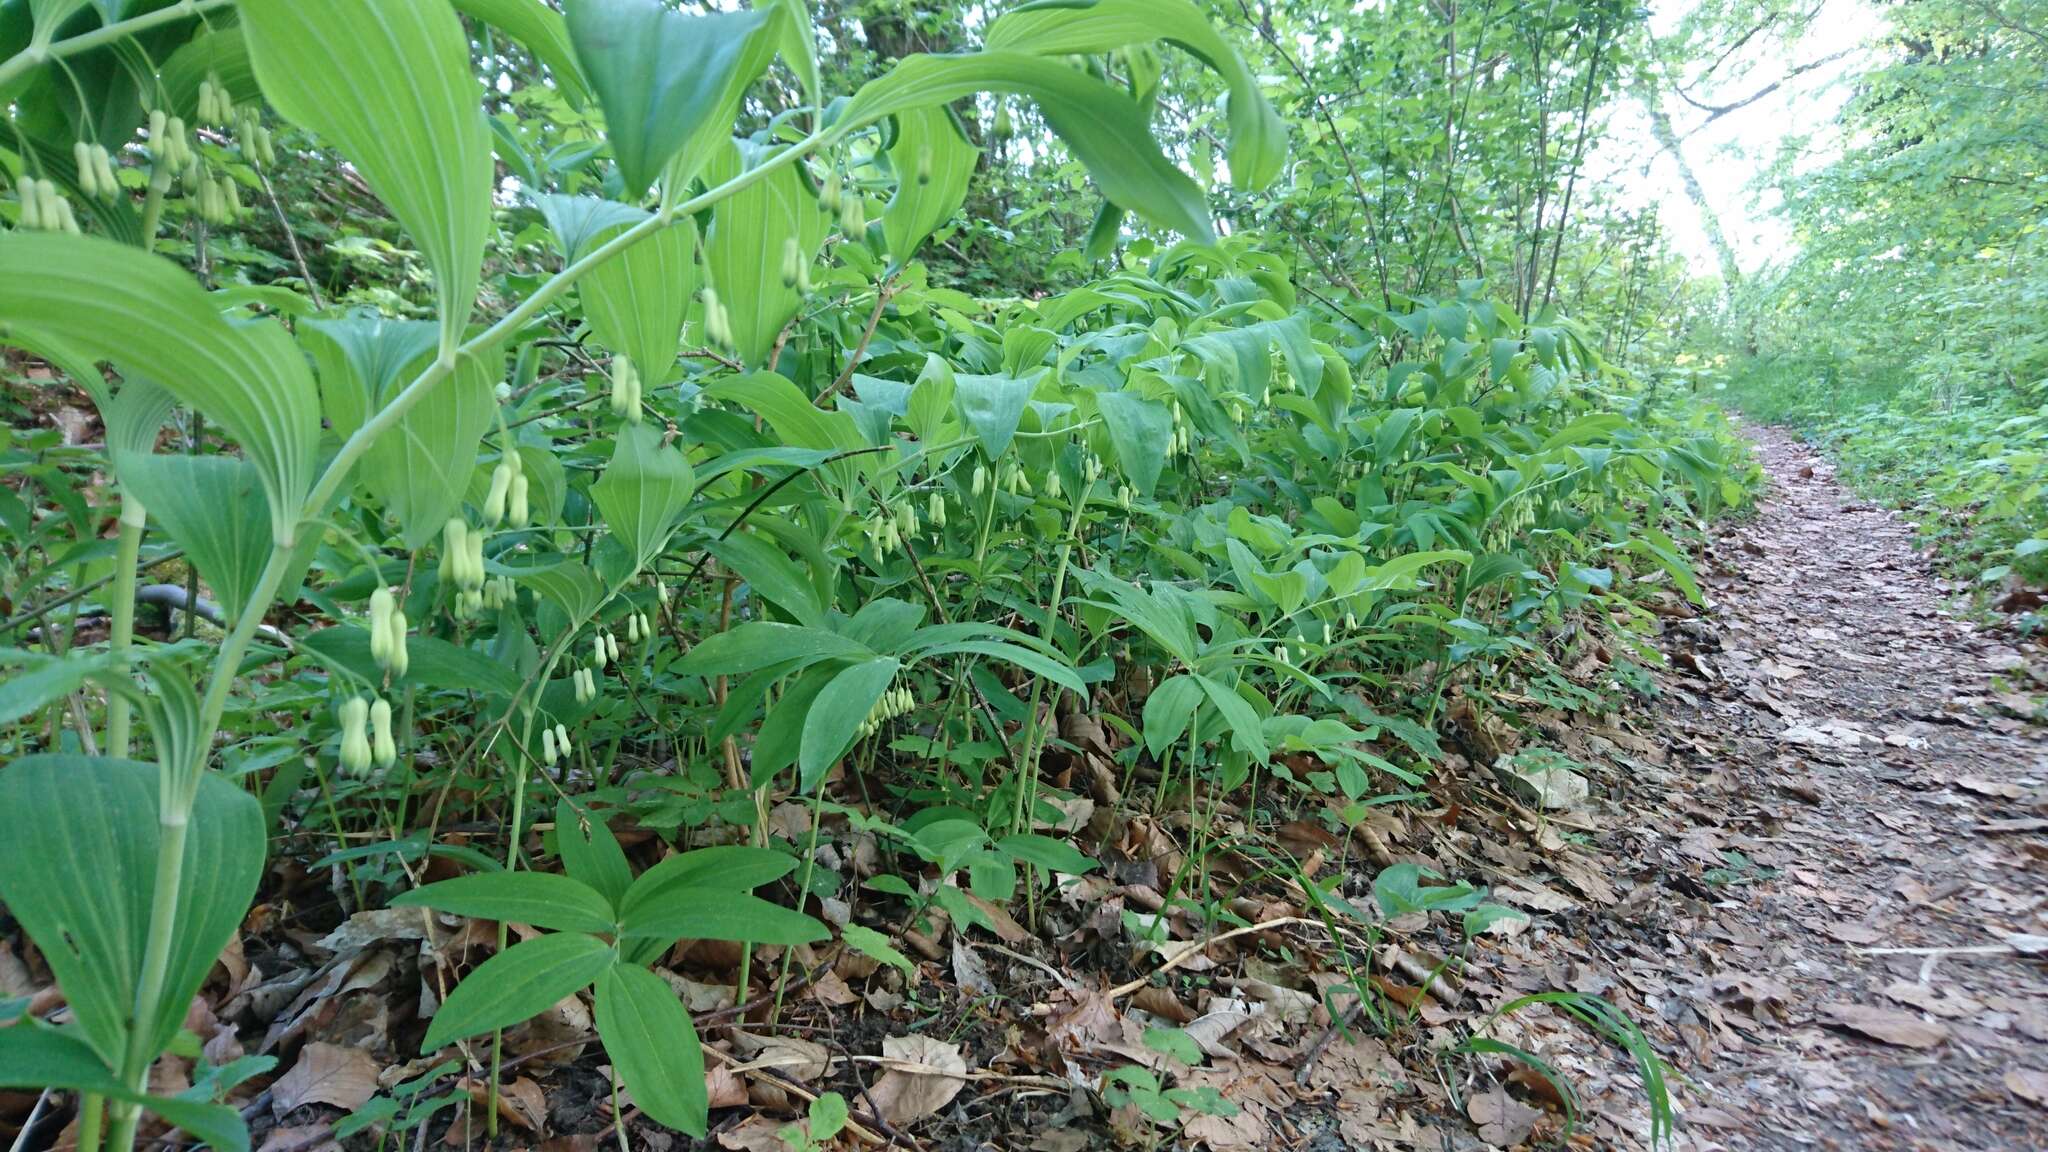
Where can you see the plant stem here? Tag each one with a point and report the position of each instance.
(127, 550)
(40, 52)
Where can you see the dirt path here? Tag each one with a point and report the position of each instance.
(1850, 848)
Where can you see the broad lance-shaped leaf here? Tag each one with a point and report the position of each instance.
(144, 314)
(1141, 430)
(1258, 137)
(933, 163)
(541, 29)
(80, 876)
(578, 221)
(643, 491)
(746, 249)
(836, 716)
(648, 1036)
(388, 83)
(542, 899)
(213, 507)
(659, 74)
(992, 406)
(637, 300)
(518, 984)
(421, 467)
(1103, 127)
(33, 1055)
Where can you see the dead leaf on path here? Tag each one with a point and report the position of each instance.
(831, 989)
(2028, 1085)
(1503, 1120)
(798, 1059)
(326, 1074)
(1889, 1025)
(756, 1134)
(969, 971)
(1161, 1002)
(1851, 933)
(725, 1087)
(523, 1103)
(1996, 789)
(906, 1094)
(1951, 1005)
(300, 1138)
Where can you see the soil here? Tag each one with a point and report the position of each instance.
(1842, 942)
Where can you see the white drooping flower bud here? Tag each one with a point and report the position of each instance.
(355, 736)
(518, 512)
(611, 645)
(562, 738)
(1052, 485)
(646, 628)
(400, 658)
(383, 749)
(625, 389)
(473, 577)
(1123, 496)
(599, 655)
(980, 480)
(501, 487)
(661, 593)
(938, 513)
(454, 551)
(382, 605)
(548, 752)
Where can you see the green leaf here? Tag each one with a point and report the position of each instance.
(728, 867)
(876, 946)
(1258, 136)
(693, 913)
(388, 83)
(933, 163)
(542, 30)
(43, 678)
(591, 854)
(517, 984)
(213, 507)
(992, 407)
(145, 315)
(637, 300)
(658, 74)
(648, 1036)
(1105, 129)
(1245, 730)
(34, 1056)
(433, 662)
(643, 491)
(836, 717)
(578, 221)
(1046, 852)
(760, 643)
(1141, 430)
(541, 899)
(1175, 1043)
(81, 875)
(746, 248)
(1168, 711)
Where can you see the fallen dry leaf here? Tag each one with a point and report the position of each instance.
(1887, 1024)
(906, 1094)
(2028, 1085)
(326, 1074)
(1503, 1120)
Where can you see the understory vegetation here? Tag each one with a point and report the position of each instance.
(1908, 332)
(700, 523)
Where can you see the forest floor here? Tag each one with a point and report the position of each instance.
(1832, 893)
(1812, 865)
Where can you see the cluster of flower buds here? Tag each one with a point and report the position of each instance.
(554, 744)
(937, 515)
(1052, 483)
(1123, 496)
(254, 137)
(506, 502)
(830, 194)
(462, 564)
(853, 214)
(1350, 622)
(894, 702)
(498, 592)
(218, 198)
(604, 648)
(366, 735)
(717, 325)
(637, 629)
(1013, 479)
(796, 271)
(387, 632)
(168, 144)
(980, 483)
(1280, 653)
(95, 170)
(215, 105)
(886, 531)
(1091, 467)
(44, 208)
(625, 388)
(585, 683)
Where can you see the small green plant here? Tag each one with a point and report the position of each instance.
(823, 1122)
